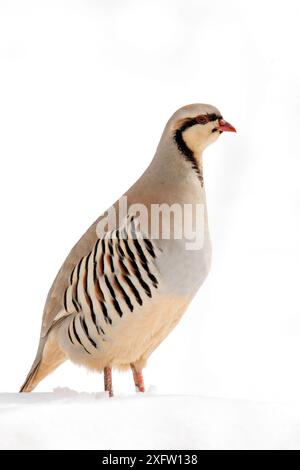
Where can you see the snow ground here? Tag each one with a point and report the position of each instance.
(69, 420)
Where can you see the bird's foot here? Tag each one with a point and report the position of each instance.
(108, 381)
(138, 379)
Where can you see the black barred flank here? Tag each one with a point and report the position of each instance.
(140, 252)
(105, 313)
(149, 247)
(98, 290)
(145, 287)
(113, 295)
(100, 297)
(74, 331)
(144, 262)
(120, 251)
(77, 336)
(86, 331)
(76, 304)
(130, 254)
(134, 289)
(76, 285)
(65, 301)
(124, 294)
(94, 320)
(117, 307)
(110, 247)
(102, 256)
(123, 267)
(69, 334)
(86, 293)
(111, 263)
(136, 270)
(111, 254)
(96, 251)
(72, 274)
(153, 279)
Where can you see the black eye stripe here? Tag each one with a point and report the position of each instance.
(213, 117)
(182, 146)
(193, 121)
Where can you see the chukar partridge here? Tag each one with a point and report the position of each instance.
(124, 287)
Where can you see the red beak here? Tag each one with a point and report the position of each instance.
(225, 126)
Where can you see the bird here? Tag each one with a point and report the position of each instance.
(126, 284)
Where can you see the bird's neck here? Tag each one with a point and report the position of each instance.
(177, 176)
(171, 180)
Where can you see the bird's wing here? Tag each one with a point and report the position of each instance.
(53, 305)
(121, 264)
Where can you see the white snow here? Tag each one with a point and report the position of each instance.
(75, 77)
(69, 420)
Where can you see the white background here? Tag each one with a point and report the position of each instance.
(85, 90)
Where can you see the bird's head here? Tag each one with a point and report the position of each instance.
(195, 126)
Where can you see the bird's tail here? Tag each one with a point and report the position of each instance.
(49, 356)
(30, 381)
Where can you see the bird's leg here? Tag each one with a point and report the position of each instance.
(108, 381)
(138, 378)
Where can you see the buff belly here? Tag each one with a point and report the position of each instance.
(131, 339)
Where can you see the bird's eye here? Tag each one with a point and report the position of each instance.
(202, 119)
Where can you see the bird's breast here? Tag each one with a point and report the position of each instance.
(183, 266)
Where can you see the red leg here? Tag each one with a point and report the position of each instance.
(138, 379)
(108, 381)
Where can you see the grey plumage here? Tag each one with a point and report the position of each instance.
(117, 297)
